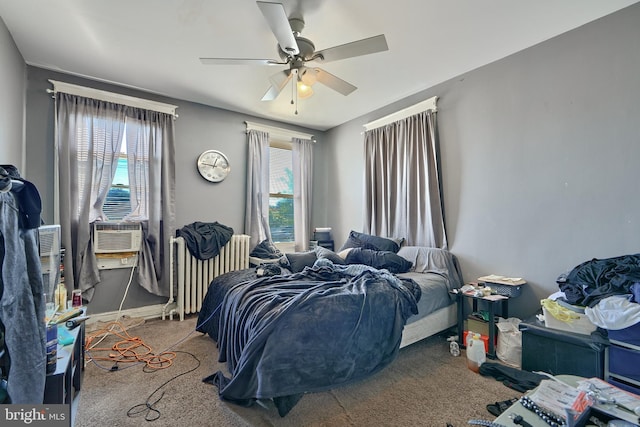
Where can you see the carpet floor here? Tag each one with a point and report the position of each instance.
(424, 386)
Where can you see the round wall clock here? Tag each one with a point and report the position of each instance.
(213, 165)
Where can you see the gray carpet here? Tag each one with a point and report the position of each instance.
(424, 386)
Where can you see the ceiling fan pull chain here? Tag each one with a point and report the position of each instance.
(294, 87)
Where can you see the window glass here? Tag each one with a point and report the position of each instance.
(281, 216)
(118, 203)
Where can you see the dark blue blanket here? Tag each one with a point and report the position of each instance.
(286, 335)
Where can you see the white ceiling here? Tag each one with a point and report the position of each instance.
(155, 45)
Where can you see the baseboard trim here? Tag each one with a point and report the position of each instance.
(146, 312)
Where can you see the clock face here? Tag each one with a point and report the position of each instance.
(213, 165)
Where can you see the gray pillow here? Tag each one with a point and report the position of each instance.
(322, 252)
(368, 241)
(297, 261)
(379, 259)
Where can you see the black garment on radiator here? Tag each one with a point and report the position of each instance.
(205, 239)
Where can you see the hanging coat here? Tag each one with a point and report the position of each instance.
(22, 305)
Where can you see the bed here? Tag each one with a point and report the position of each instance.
(319, 320)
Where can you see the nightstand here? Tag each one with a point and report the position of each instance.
(493, 302)
(63, 385)
(328, 244)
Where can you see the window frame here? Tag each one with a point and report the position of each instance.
(283, 145)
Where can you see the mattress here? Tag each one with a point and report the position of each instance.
(435, 293)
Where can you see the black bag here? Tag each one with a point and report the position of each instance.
(511, 377)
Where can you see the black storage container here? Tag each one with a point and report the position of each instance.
(559, 352)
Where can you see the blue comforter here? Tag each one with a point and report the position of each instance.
(286, 335)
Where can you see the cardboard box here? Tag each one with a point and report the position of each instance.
(476, 325)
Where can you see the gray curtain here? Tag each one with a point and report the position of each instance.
(89, 134)
(302, 191)
(256, 220)
(151, 152)
(403, 194)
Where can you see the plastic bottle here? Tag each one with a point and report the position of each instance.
(61, 297)
(475, 352)
(454, 348)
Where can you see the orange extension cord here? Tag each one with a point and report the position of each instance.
(129, 350)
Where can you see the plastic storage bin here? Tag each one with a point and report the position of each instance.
(579, 324)
(559, 352)
(625, 362)
(630, 335)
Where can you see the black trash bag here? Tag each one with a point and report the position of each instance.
(514, 378)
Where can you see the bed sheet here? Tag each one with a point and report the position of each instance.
(435, 293)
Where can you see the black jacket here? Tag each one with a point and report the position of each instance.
(205, 239)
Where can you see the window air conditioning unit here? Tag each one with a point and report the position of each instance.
(116, 244)
(116, 237)
(50, 256)
(49, 240)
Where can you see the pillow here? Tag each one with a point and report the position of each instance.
(322, 252)
(368, 241)
(427, 259)
(379, 259)
(433, 259)
(343, 253)
(266, 250)
(297, 261)
(397, 240)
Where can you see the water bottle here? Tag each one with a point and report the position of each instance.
(475, 352)
(454, 348)
(61, 297)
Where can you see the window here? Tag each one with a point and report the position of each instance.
(117, 205)
(281, 217)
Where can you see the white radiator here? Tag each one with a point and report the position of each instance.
(192, 276)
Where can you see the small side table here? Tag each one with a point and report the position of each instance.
(63, 385)
(493, 302)
(328, 244)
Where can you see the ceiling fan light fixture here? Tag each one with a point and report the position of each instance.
(308, 76)
(304, 90)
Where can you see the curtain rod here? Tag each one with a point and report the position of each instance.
(116, 98)
(429, 104)
(278, 133)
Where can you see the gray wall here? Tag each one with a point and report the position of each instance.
(12, 104)
(539, 157)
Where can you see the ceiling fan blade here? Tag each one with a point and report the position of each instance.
(278, 82)
(334, 82)
(239, 61)
(279, 23)
(271, 94)
(280, 79)
(358, 48)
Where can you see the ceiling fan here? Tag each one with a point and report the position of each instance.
(295, 51)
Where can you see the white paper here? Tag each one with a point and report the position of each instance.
(607, 392)
(557, 397)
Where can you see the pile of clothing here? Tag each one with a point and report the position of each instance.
(609, 289)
